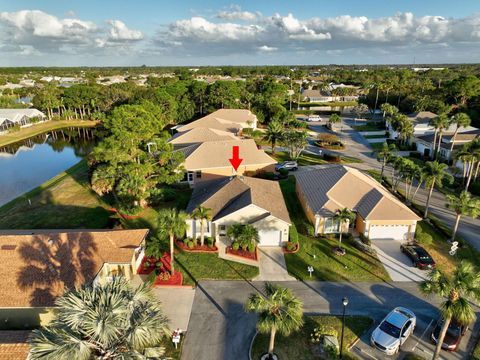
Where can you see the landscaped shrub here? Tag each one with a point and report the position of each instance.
(365, 239)
(293, 234)
(331, 157)
(235, 246)
(415, 155)
(251, 248)
(291, 246)
(424, 238)
(283, 172)
(209, 241)
(191, 244)
(322, 331)
(309, 229)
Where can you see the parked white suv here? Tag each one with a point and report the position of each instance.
(288, 165)
(394, 330)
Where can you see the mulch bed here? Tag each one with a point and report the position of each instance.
(286, 251)
(175, 280)
(198, 248)
(242, 253)
(142, 270)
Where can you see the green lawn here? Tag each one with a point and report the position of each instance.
(37, 129)
(298, 346)
(204, 266)
(374, 136)
(354, 266)
(63, 202)
(371, 126)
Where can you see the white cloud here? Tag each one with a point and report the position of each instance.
(266, 48)
(36, 32)
(237, 15)
(120, 32)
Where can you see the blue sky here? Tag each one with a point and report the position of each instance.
(70, 33)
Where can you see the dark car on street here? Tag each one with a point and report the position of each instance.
(453, 336)
(419, 256)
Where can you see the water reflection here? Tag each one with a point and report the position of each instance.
(29, 163)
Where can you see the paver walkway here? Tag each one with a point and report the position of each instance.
(272, 265)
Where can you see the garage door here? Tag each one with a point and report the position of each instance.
(395, 232)
(270, 237)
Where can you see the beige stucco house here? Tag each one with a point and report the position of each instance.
(229, 120)
(210, 160)
(379, 215)
(38, 267)
(200, 135)
(241, 200)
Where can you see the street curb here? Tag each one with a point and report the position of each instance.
(251, 345)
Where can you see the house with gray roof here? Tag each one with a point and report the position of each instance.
(241, 200)
(379, 214)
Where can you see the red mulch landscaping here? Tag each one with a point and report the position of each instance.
(142, 270)
(197, 248)
(242, 253)
(286, 251)
(165, 279)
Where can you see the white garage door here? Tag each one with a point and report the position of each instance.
(270, 237)
(395, 232)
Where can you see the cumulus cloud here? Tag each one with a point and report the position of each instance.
(266, 48)
(237, 15)
(36, 32)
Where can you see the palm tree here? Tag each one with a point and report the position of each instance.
(458, 289)
(343, 216)
(405, 128)
(434, 173)
(464, 204)
(106, 321)
(388, 109)
(334, 119)
(460, 120)
(384, 155)
(439, 123)
(274, 133)
(470, 157)
(278, 311)
(172, 223)
(203, 214)
(244, 235)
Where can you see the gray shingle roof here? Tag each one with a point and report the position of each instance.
(368, 202)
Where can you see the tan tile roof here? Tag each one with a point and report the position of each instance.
(228, 195)
(422, 116)
(216, 154)
(36, 268)
(13, 344)
(230, 120)
(198, 135)
(331, 188)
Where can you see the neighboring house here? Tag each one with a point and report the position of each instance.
(425, 143)
(420, 124)
(200, 135)
(210, 160)
(228, 120)
(36, 268)
(241, 200)
(23, 117)
(379, 215)
(316, 96)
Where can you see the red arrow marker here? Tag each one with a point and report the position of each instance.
(235, 160)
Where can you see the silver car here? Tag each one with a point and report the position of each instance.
(394, 330)
(288, 165)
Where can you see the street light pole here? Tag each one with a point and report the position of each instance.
(345, 303)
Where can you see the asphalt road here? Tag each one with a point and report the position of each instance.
(219, 327)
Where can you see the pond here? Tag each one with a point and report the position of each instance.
(29, 163)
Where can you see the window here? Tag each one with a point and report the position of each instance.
(190, 176)
(330, 226)
(222, 230)
(198, 174)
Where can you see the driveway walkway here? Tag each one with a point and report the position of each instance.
(272, 265)
(397, 264)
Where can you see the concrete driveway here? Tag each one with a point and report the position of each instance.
(398, 265)
(272, 265)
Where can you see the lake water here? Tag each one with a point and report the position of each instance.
(29, 163)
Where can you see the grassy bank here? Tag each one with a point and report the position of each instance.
(354, 266)
(36, 129)
(298, 346)
(63, 202)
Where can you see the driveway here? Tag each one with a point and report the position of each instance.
(220, 328)
(272, 265)
(176, 304)
(398, 265)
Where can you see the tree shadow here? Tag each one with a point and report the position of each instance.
(54, 263)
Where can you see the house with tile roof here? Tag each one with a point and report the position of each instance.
(210, 160)
(37, 267)
(379, 215)
(425, 143)
(241, 200)
(200, 135)
(229, 120)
